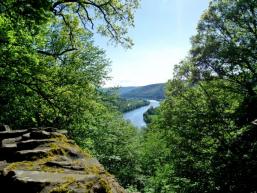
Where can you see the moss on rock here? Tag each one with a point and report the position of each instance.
(44, 160)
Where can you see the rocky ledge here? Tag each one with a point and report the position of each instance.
(44, 160)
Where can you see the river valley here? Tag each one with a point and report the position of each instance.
(136, 116)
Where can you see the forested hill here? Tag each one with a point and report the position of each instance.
(152, 91)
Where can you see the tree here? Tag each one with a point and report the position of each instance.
(51, 73)
(49, 66)
(206, 118)
(225, 47)
(109, 18)
(44, 89)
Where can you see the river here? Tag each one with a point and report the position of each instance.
(136, 116)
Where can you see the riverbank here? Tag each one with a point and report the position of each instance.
(136, 117)
(132, 104)
(125, 105)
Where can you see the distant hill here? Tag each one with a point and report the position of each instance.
(152, 91)
(125, 90)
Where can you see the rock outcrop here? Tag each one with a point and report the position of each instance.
(44, 160)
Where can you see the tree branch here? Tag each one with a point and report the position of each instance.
(87, 15)
(56, 54)
(105, 18)
(113, 32)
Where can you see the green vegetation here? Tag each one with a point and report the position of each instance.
(204, 133)
(125, 105)
(201, 139)
(51, 72)
(150, 115)
(114, 100)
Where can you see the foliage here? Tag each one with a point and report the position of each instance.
(150, 114)
(114, 143)
(201, 139)
(51, 72)
(50, 69)
(109, 18)
(205, 122)
(125, 105)
(48, 90)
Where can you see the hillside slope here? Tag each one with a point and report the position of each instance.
(125, 90)
(152, 91)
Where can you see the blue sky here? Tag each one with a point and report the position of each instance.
(162, 38)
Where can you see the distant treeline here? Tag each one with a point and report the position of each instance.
(153, 91)
(125, 105)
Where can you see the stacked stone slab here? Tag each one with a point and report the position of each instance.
(44, 160)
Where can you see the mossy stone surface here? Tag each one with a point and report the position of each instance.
(44, 160)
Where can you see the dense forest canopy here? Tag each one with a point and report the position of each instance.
(49, 62)
(51, 72)
(207, 118)
(202, 138)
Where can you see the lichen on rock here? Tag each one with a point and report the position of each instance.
(44, 160)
